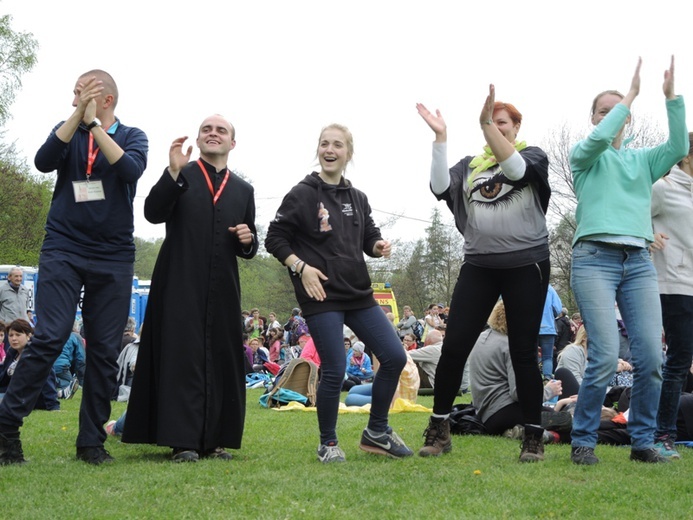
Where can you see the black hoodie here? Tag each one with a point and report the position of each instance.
(329, 227)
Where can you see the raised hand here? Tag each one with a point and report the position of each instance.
(176, 158)
(668, 86)
(487, 110)
(85, 96)
(435, 121)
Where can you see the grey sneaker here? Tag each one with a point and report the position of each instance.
(583, 456)
(516, 432)
(389, 443)
(436, 438)
(650, 455)
(328, 453)
(71, 389)
(666, 447)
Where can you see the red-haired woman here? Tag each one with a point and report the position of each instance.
(499, 200)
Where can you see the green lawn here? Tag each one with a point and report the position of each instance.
(276, 475)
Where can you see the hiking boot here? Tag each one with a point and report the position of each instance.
(95, 455)
(650, 455)
(666, 447)
(11, 449)
(328, 453)
(184, 455)
(557, 421)
(436, 438)
(388, 443)
(583, 456)
(216, 453)
(532, 447)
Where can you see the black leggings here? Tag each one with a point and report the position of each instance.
(523, 290)
(504, 419)
(568, 382)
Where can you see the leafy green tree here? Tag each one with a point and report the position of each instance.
(265, 284)
(443, 258)
(24, 198)
(17, 56)
(24, 203)
(560, 250)
(146, 253)
(408, 275)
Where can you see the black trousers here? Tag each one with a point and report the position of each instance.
(107, 292)
(523, 290)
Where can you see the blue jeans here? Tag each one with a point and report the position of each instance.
(546, 342)
(119, 426)
(602, 275)
(677, 316)
(375, 330)
(359, 395)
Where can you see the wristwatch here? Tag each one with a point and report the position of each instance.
(294, 266)
(94, 123)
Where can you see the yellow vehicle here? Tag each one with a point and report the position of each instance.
(384, 295)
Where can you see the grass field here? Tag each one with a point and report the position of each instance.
(276, 475)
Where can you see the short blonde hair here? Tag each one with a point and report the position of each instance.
(497, 320)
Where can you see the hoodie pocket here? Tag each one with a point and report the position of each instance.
(348, 277)
(685, 268)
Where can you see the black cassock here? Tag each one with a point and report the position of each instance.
(189, 384)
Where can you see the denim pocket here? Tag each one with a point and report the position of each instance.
(585, 251)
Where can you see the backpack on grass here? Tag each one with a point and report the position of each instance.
(298, 375)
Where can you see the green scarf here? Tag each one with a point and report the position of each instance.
(487, 160)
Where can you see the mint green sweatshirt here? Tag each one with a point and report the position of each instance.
(614, 187)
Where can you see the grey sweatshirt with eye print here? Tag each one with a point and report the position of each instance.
(503, 221)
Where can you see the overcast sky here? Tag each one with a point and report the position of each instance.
(282, 70)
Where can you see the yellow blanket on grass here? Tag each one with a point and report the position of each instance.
(401, 405)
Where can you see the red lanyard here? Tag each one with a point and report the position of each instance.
(91, 156)
(209, 182)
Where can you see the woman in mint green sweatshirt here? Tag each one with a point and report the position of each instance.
(611, 262)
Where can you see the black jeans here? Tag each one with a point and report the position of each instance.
(523, 290)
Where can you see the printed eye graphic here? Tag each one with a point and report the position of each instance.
(495, 191)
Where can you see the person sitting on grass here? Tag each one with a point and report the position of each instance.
(309, 351)
(492, 379)
(407, 388)
(260, 354)
(19, 332)
(427, 357)
(3, 330)
(359, 363)
(70, 365)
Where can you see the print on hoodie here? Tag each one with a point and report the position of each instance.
(324, 217)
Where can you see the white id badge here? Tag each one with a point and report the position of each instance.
(87, 191)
